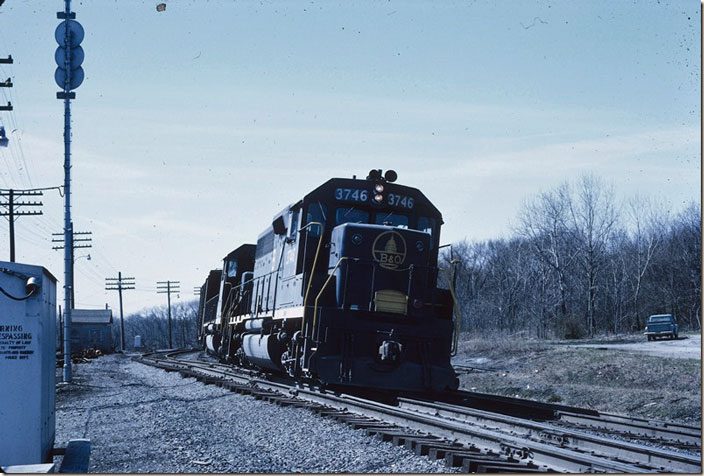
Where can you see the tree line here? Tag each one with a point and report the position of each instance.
(152, 325)
(579, 264)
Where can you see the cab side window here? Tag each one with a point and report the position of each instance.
(316, 213)
(293, 225)
(231, 269)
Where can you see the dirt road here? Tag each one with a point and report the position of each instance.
(686, 347)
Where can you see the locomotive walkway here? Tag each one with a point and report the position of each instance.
(477, 440)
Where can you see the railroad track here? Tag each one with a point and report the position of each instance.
(675, 435)
(475, 439)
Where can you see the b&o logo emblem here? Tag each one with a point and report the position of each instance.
(389, 250)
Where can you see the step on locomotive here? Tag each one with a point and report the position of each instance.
(342, 289)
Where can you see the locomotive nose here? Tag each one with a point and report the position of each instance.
(379, 268)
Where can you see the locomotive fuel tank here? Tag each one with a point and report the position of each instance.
(263, 350)
(210, 344)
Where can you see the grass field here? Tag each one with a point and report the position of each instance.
(599, 378)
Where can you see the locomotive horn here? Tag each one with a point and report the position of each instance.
(374, 174)
(390, 176)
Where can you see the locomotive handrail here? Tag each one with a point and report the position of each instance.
(312, 270)
(325, 284)
(374, 264)
(327, 281)
(315, 261)
(458, 321)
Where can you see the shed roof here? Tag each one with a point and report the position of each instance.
(91, 316)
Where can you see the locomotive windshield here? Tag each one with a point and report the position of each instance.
(377, 203)
(391, 219)
(351, 215)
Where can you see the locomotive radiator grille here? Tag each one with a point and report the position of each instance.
(389, 300)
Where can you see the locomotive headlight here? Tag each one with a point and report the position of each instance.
(378, 197)
(379, 188)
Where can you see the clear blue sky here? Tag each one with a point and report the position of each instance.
(195, 125)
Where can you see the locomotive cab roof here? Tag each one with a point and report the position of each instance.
(325, 191)
(241, 251)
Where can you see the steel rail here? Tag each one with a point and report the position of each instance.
(629, 426)
(636, 427)
(513, 446)
(659, 423)
(511, 405)
(510, 445)
(540, 431)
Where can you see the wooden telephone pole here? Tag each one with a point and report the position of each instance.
(119, 284)
(168, 288)
(12, 213)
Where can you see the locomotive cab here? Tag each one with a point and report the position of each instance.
(231, 292)
(207, 310)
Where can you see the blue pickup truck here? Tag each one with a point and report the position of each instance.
(661, 325)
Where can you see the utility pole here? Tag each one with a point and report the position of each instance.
(12, 213)
(84, 242)
(119, 284)
(168, 288)
(68, 76)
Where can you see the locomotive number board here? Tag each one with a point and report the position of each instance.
(363, 196)
(396, 200)
(352, 194)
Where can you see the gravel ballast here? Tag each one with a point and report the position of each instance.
(143, 419)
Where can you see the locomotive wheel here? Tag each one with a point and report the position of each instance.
(288, 360)
(240, 359)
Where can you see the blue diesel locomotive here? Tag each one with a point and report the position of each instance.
(340, 289)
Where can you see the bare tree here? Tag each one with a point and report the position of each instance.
(544, 223)
(647, 219)
(593, 218)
